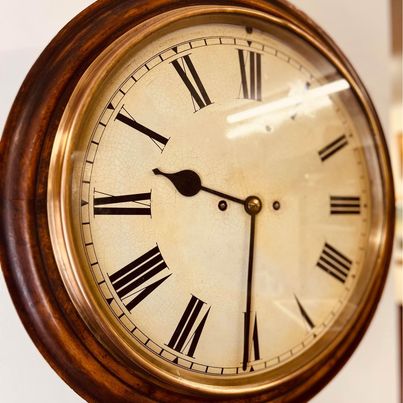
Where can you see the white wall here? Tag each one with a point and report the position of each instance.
(361, 29)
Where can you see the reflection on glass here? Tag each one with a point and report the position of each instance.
(301, 99)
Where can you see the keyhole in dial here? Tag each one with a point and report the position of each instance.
(222, 205)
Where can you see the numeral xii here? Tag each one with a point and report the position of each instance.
(251, 62)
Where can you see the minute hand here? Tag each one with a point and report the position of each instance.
(253, 205)
(188, 183)
(248, 312)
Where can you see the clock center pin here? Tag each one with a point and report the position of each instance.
(253, 205)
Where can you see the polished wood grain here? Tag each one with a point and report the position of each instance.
(26, 254)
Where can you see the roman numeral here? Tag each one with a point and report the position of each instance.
(345, 205)
(132, 284)
(125, 117)
(142, 199)
(192, 81)
(251, 62)
(304, 314)
(333, 147)
(186, 335)
(255, 338)
(334, 263)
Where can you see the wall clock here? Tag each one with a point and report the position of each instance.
(201, 201)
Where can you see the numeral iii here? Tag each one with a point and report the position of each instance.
(345, 205)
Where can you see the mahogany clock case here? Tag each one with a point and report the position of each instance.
(27, 258)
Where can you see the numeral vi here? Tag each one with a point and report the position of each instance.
(255, 337)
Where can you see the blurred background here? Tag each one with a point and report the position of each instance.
(370, 33)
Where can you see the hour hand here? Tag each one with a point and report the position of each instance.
(188, 183)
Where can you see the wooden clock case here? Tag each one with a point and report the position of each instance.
(27, 258)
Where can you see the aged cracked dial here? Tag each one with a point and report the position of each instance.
(218, 201)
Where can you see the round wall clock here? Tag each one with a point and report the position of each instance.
(197, 203)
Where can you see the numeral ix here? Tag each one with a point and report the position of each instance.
(143, 199)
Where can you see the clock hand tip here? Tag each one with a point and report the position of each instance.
(156, 171)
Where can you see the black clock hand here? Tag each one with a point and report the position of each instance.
(188, 183)
(248, 314)
(252, 206)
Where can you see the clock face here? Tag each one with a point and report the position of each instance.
(218, 194)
